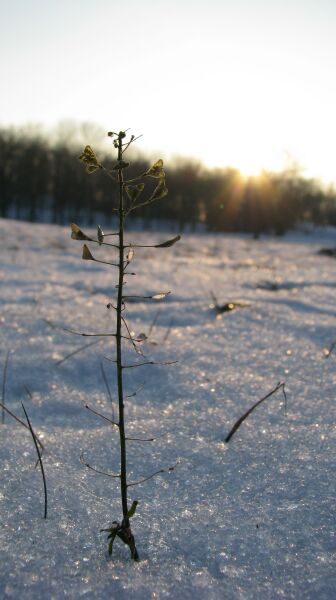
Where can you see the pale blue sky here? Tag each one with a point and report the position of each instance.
(246, 82)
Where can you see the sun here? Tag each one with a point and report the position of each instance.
(249, 161)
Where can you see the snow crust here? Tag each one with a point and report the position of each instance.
(251, 519)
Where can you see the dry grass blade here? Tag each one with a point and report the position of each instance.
(9, 412)
(245, 415)
(39, 460)
(60, 362)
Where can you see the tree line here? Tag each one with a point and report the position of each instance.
(41, 180)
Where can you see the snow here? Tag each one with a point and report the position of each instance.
(251, 519)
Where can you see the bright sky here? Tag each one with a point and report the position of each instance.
(246, 83)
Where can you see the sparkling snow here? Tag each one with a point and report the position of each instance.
(251, 519)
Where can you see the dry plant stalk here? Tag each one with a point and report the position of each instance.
(129, 199)
(280, 385)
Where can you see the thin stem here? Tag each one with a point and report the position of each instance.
(127, 537)
(88, 334)
(105, 262)
(97, 470)
(40, 461)
(145, 478)
(169, 469)
(9, 412)
(136, 391)
(123, 463)
(137, 350)
(101, 416)
(152, 439)
(149, 362)
(166, 244)
(133, 139)
(132, 439)
(280, 385)
(83, 334)
(127, 181)
(59, 362)
(104, 243)
(158, 296)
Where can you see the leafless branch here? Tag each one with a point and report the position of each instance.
(149, 362)
(167, 470)
(136, 391)
(131, 142)
(88, 334)
(101, 416)
(158, 296)
(137, 350)
(97, 470)
(153, 439)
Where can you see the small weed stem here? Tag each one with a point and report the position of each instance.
(280, 385)
(127, 200)
(39, 460)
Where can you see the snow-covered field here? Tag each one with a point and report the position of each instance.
(251, 519)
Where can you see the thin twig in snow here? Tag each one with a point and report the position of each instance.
(40, 461)
(97, 470)
(169, 469)
(245, 415)
(59, 362)
(101, 416)
(9, 412)
(153, 439)
(149, 362)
